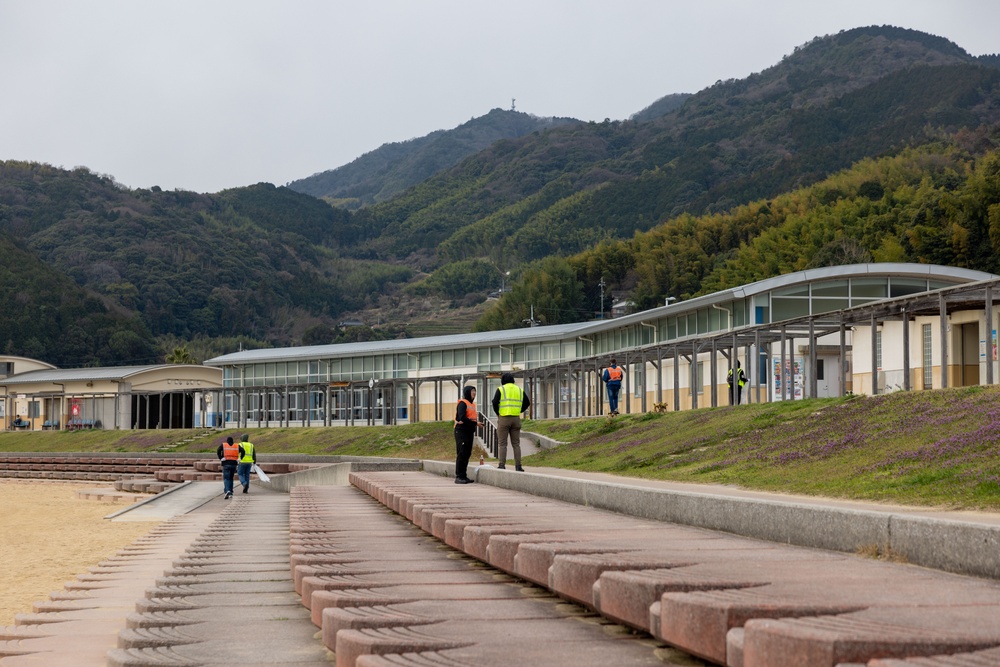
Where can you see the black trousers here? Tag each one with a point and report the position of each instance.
(463, 450)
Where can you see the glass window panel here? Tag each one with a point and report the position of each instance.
(828, 305)
(437, 359)
(832, 288)
(448, 359)
(671, 328)
(869, 287)
(927, 350)
(787, 308)
(904, 286)
(703, 320)
(740, 313)
(796, 290)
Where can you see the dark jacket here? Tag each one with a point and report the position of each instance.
(463, 420)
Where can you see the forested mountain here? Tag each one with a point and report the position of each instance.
(660, 107)
(737, 182)
(45, 315)
(391, 168)
(258, 262)
(836, 100)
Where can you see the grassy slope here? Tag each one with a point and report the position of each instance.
(924, 448)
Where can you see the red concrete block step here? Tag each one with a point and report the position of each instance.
(902, 632)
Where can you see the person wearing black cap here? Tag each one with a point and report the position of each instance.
(509, 402)
(466, 422)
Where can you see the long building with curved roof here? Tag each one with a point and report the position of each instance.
(864, 328)
(819, 332)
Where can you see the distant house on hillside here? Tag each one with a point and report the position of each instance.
(621, 307)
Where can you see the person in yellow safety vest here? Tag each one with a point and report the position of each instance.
(736, 388)
(509, 402)
(248, 459)
(229, 453)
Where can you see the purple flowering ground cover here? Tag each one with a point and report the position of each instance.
(939, 448)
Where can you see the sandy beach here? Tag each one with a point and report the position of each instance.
(48, 536)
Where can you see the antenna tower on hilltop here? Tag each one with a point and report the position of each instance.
(512, 100)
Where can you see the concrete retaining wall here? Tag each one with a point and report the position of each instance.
(953, 546)
(335, 474)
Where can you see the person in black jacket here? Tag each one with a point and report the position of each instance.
(466, 422)
(736, 380)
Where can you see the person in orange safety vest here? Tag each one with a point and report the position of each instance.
(230, 454)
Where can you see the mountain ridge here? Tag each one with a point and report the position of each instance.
(380, 174)
(267, 265)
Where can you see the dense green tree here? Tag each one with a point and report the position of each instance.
(180, 355)
(549, 290)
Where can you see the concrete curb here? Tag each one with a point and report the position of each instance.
(150, 499)
(335, 474)
(952, 546)
(541, 441)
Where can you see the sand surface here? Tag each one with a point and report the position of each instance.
(48, 536)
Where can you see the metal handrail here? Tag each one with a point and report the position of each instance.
(487, 432)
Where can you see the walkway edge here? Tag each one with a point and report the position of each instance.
(951, 546)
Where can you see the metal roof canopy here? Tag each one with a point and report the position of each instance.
(558, 332)
(939, 303)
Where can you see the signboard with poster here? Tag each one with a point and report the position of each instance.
(791, 377)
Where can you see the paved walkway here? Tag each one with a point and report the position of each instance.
(409, 569)
(730, 600)
(210, 586)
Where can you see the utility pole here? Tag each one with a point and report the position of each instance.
(602, 285)
(531, 321)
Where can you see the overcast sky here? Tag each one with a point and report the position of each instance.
(205, 95)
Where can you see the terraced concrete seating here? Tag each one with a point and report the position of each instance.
(733, 601)
(409, 569)
(164, 471)
(384, 592)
